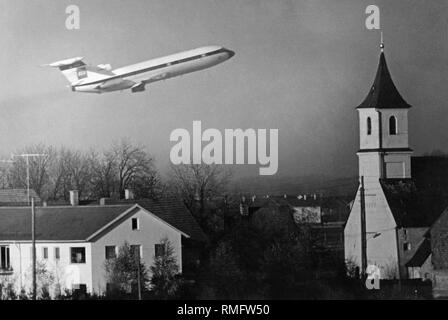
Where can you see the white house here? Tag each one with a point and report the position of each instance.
(74, 241)
(399, 208)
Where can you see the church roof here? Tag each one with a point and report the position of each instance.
(421, 255)
(418, 202)
(383, 94)
(411, 206)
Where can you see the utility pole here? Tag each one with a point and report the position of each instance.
(33, 239)
(363, 230)
(27, 157)
(139, 287)
(33, 214)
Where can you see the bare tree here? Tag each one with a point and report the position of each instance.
(70, 170)
(133, 164)
(78, 172)
(124, 166)
(39, 168)
(93, 174)
(102, 179)
(195, 183)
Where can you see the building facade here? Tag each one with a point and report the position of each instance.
(74, 242)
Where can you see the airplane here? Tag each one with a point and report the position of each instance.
(101, 78)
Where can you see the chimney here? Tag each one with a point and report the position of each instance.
(74, 201)
(128, 194)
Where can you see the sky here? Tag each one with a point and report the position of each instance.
(300, 67)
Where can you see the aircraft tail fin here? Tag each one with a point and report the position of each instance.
(74, 69)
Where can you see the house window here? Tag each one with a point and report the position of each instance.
(57, 253)
(80, 288)
(78, 255)
(369, 126)
(4, 258)
(110, 252)
(407, 246)
(45, 253)
(392, 125)
(134, 222)
(159, 249)
(136, 250)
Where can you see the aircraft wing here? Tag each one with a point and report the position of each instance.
(140, 86)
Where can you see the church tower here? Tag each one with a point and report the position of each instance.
(371, 234)
(383, 127)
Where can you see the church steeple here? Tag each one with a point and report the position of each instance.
(383, 94)
(384, 149)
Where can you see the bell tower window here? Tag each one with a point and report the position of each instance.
(369, 126)
(392, 125)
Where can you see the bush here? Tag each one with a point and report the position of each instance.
(165, 280)
(122, 274)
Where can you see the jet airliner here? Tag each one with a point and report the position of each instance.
(101, 78)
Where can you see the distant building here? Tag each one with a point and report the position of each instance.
(404, 195)
(433, 262)
(74, 241)
(17, 197)
(324, 217)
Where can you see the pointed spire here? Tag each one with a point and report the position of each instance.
(383, 94)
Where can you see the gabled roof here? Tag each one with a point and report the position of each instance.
(418, 202)
(66, 223)
(171, 210)
(421, 255)
(16, 197)
(410, 206)
(383, 94)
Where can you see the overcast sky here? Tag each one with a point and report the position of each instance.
(300, 66)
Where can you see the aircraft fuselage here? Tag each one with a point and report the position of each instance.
(136, 76)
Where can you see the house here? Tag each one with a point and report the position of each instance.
(402, 199)
(324, 217)
(432, 263)
(73, 242)
(173, 211)
(17, 197)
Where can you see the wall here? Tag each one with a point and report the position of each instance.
(368, 141)
(369, 166)
(439, 242)
(398, 165)
(414, 236)
(401, 139)
(65, 273)
(151, 231)
(382, 249)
